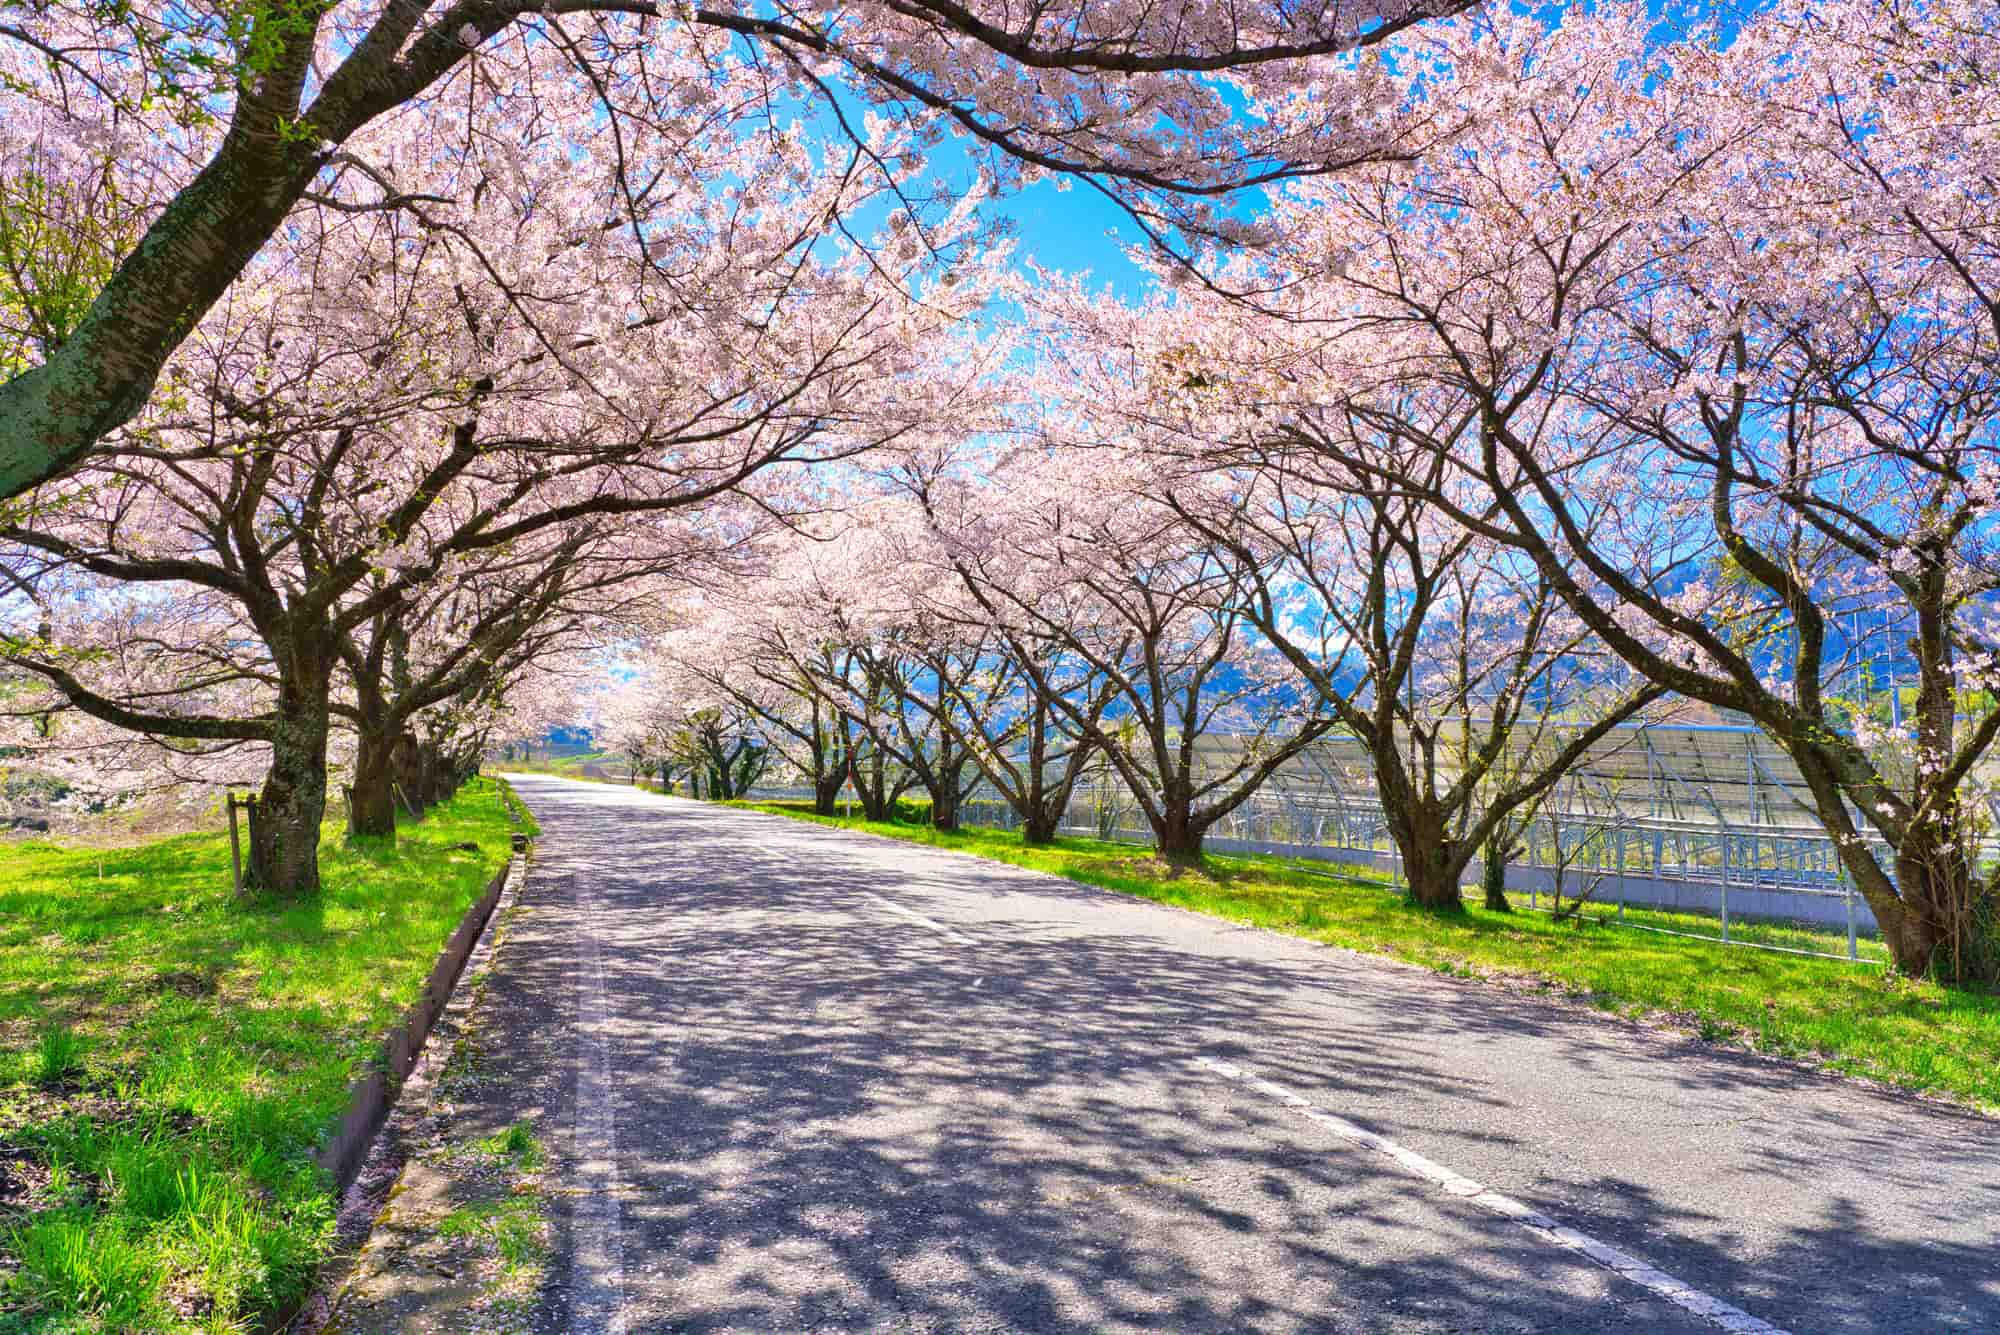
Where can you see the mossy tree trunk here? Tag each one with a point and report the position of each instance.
(284, 833)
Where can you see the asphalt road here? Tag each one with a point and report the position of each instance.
(804, 1079)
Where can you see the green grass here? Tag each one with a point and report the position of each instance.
(1853, 1018)
(169, 1060)
(58, 1055)
(516, 1146)
(512, 1227)
(572, 766)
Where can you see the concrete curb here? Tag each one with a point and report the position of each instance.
(370, 1098)
(366, 1153)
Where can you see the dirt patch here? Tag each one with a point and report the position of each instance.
(39, 1105)
(191, 983)
(24, 1181)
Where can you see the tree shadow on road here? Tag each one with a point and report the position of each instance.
(830, 1116)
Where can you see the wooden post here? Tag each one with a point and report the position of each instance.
(1725, 887)
(235, 845)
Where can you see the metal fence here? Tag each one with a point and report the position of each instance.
(1704, 821)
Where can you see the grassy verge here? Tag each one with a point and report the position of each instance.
(572, 766)
(170, 1059)
(1852, 1018)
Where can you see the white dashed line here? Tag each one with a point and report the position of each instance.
(597, 1258)
(1681, 1295)
(937, 927)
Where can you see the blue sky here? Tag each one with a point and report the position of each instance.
(1079, 229)
(1076, 230)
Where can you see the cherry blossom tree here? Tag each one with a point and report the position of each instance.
(1073, 557)
(974, 682)
(832, 640)
(750, 653)
(880, 661)
(231, 119)
(1723, 313)
(1444, 653)
(413, 383)
(1449, 658)
(768, 642)
(101, 764)
(724, 752)
(465, 637)
(628, 715)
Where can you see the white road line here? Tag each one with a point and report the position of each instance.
(1731, 1319)
(937, 927)
(597, 1253)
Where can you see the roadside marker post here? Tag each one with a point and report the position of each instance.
(1847, 886)
(235, 845)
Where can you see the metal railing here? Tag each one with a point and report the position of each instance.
(1785, 874)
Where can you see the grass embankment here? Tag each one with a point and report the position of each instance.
(1852, 1018)
(169, 1060)
(616, 767)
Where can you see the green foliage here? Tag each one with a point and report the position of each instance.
(517, 1145)
(222, 1040)
(152, 1182)
(58, 1055)
(59, 244)
(1852, 1018)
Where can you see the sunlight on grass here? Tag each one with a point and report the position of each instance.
(169, 1059)
(1855, 1018)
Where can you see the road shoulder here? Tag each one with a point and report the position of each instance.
(465, 1238)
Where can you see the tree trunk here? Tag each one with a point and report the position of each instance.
(284, 833)
(874, 793)
(373, 809)
(407, 767)
(753, 769)
(826, 793)
(1042, 814)
(1938, 918)
(437, 774)
(1037, 810)
(1431, 862)
(1433, 884)
(1039, 829)
(944, 797)
(1493, 878)
(1176, 837)
(1935, 934)
(53, 414)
